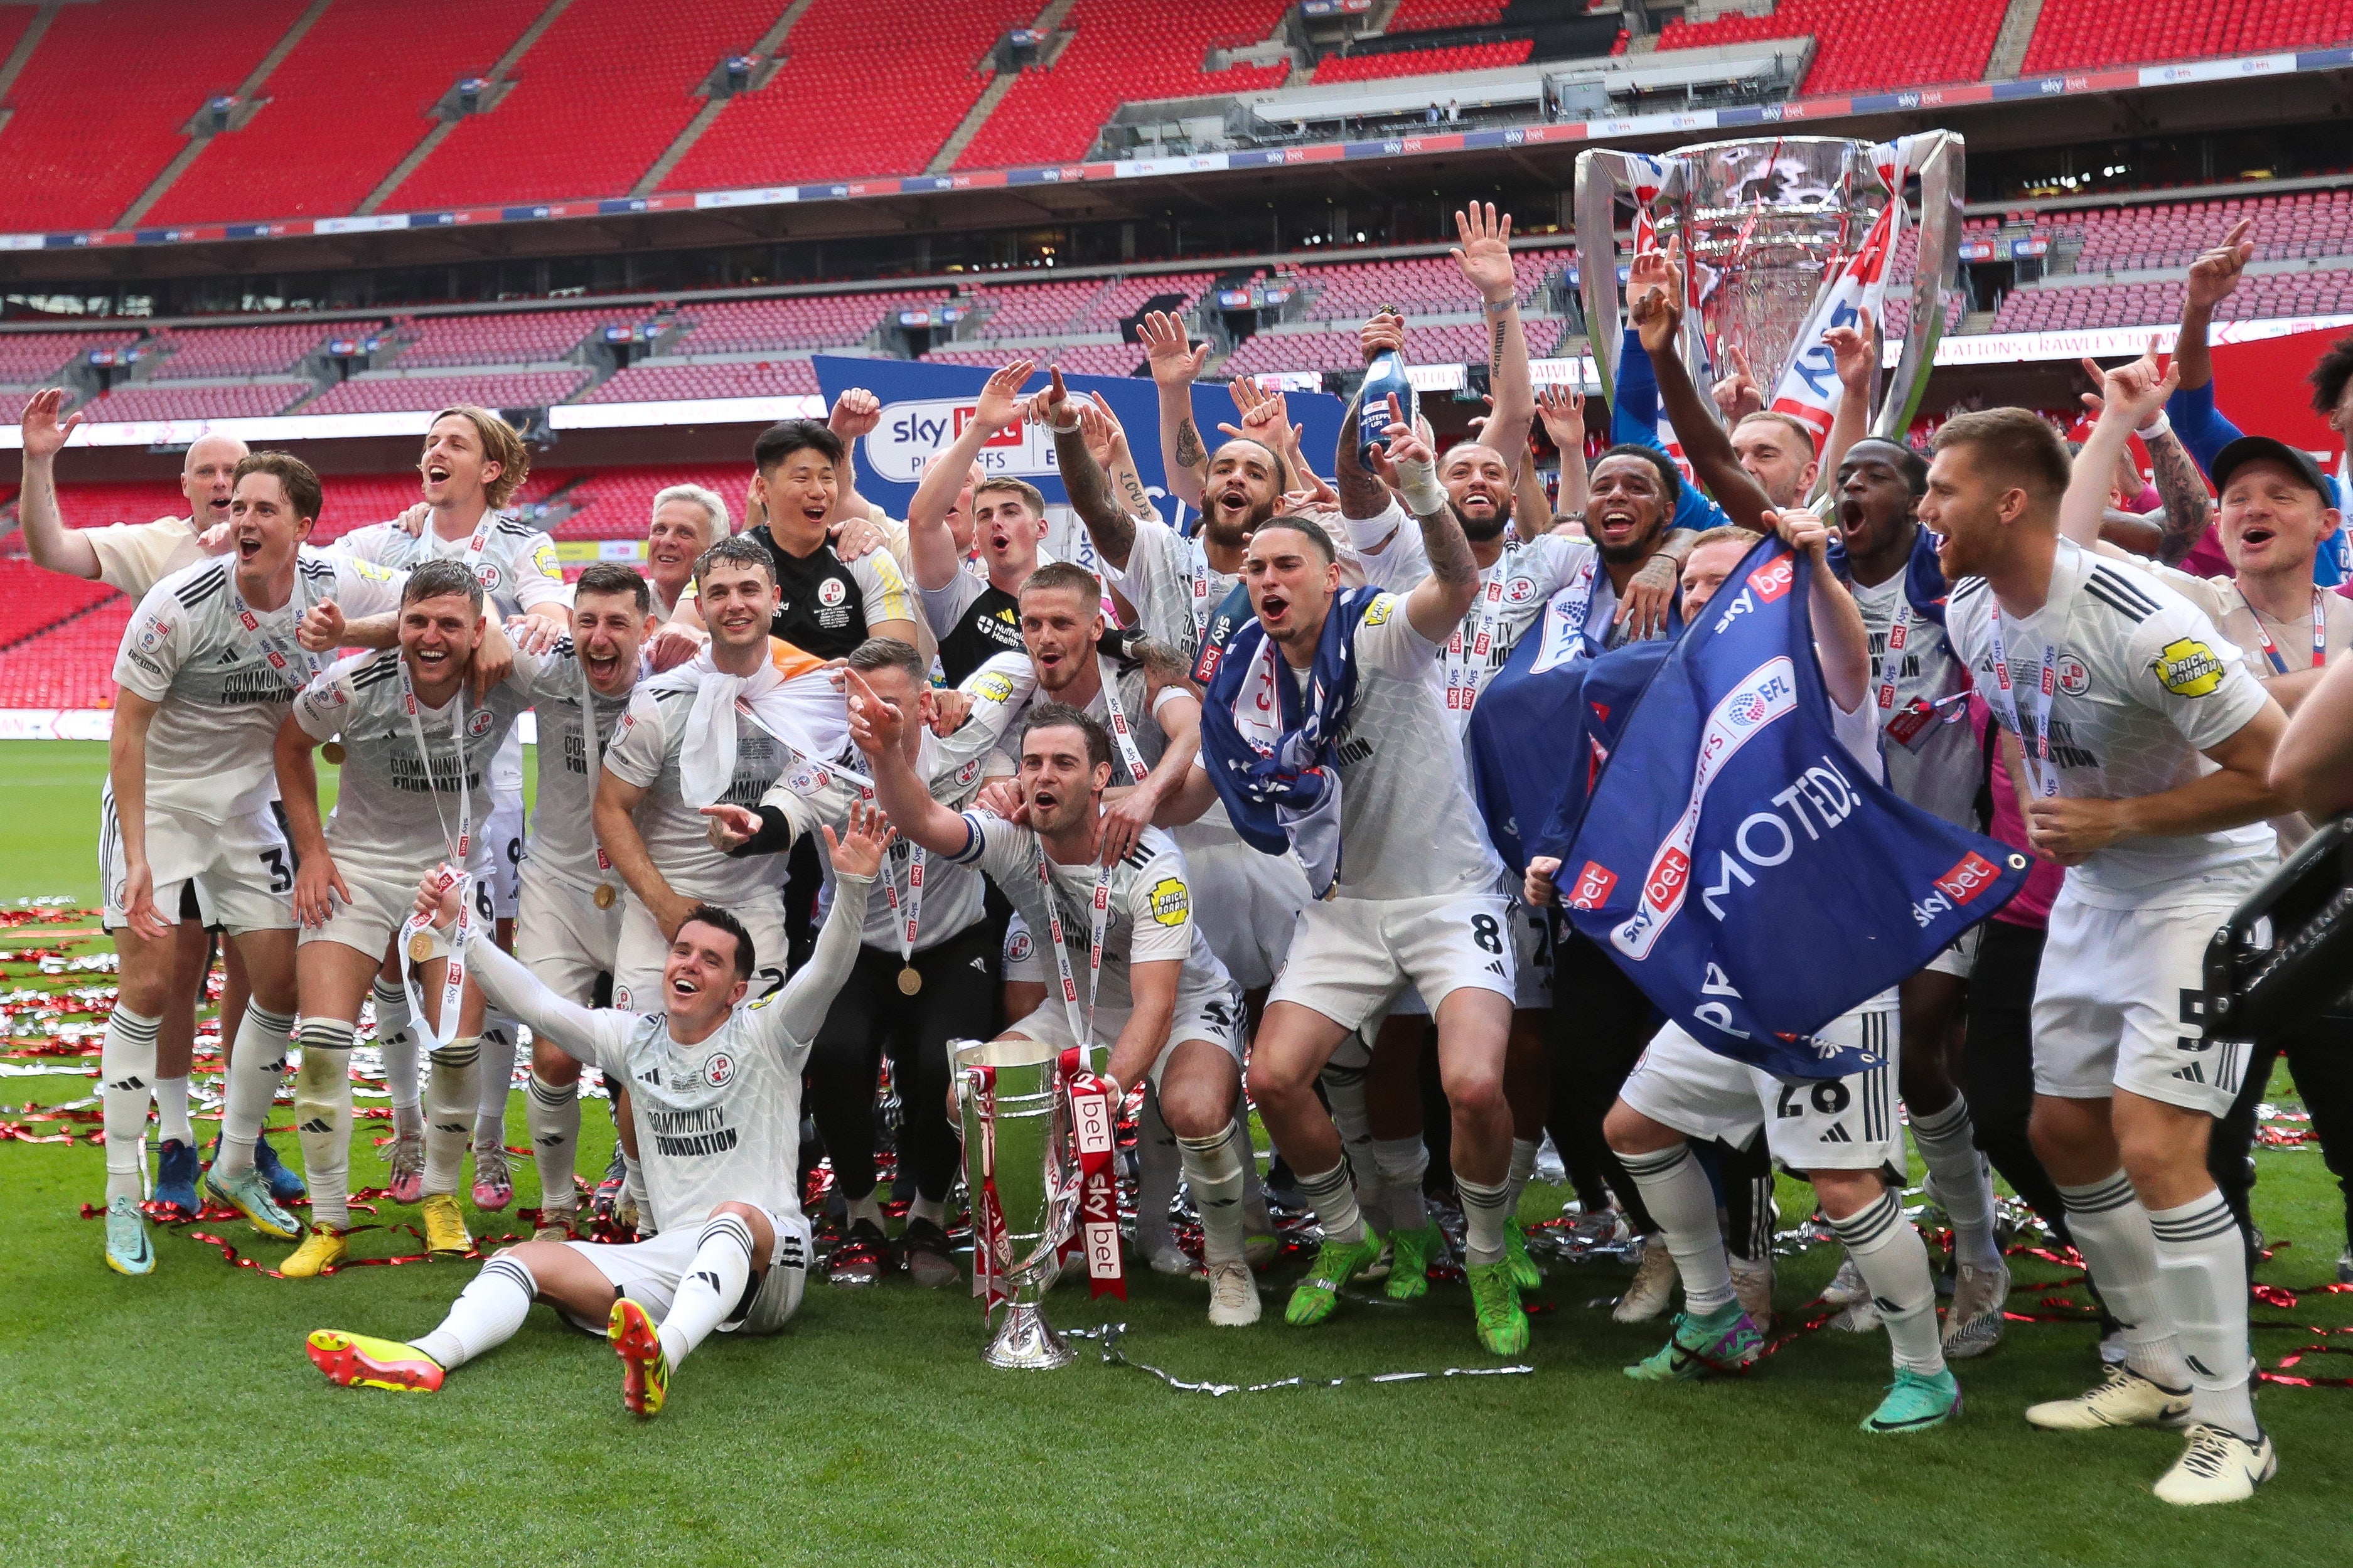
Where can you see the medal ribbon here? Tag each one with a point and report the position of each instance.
(1891, 666)
(1120, 733)
(595, 750)
(277, 648)
(453, 979)
(988, 1209)
(1082, 1028)
(1095, 1117)
(2319, 636)
(1466, 651)
(2004, 702)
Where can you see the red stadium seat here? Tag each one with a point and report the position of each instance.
(1942, 41)
(1423, 62)
(2085, 35)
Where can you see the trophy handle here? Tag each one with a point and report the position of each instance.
(1601, 178)
(1943, 184)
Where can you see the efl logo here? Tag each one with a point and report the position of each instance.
(1773, 579)
(1010, 436)
(1667, 879)
(1965, 881)
(1593, 886)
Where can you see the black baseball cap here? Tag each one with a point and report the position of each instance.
(2236, 453)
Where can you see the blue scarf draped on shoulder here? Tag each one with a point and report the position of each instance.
(1269, 748)
(1924, 577)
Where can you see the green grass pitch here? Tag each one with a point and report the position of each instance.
(175, 1418)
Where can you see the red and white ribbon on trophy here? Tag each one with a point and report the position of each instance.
(1094, 1128)
(988, 1209)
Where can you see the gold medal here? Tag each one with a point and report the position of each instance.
(910, 981)
(333, 752)
(420, 947)
(605, 895)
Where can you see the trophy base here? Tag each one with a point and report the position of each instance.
(1026, 1340)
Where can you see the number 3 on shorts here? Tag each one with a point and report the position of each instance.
(281, 879)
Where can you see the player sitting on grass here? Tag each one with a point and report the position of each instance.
(717, 1098)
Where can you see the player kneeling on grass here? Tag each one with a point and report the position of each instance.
(716, 1093)
(1168, 1010)
(1842, 1133)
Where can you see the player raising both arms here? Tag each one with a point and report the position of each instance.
(717, 1103)
(1155, 994)
(208, 667)
(2145, 744)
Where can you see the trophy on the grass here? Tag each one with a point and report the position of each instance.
(1021, 1171)
(1784, 237)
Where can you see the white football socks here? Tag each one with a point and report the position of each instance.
(1333, 1198)
(257, 1067)
(171, 1113)
(1894, 1261)
(1402, 1162)
(395, 1038)
(1157, 1169)
(712, 1285)
(127, 1072)
(322, 1118)
(1963, 1181)
(1677, 1194)
(1523, 1172)
(1485, 1210)
(454, 1088)
(1344, 1091)
(2201, 1274)
(498, 1064)
(487, 1313)
(868, 1208)
(2111, 1230)
(552, 1115)
(1213, 1169)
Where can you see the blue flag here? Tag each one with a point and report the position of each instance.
(1544, 724)
(1741, 865)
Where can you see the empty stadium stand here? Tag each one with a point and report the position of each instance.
(529, 337)
(576, 125)
(799, 322)
(2084, 34)
(72, 664)
(1427, 15)
(669, 382)
(342, 110)
(2158, 301)
(1076, 359)
(34, 359)
(2305, 224)
(1422, 285)
(244, 351)
(1423, 62)
(869, 87)
(32, 599)
(1942, 41)
(1054, 111)
(75, 154)
(616, 502)
(1455, 344)
(238, 400)
(400, 394)
(96, 505)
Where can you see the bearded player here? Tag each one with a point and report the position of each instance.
(718, 1106)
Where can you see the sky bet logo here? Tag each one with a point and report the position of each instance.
(911, 431)
(1971, 876)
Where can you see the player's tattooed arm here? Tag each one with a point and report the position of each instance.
(1436, 605)
(2186, 503)
(1174, 362)
(1363, 496)
(1108, 523)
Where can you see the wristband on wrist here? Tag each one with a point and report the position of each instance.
(2160, 426)
(1497, 307)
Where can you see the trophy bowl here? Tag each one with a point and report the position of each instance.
(1022, 1175)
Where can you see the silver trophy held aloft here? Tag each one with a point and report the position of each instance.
(1767, 225)
(1020, 1169)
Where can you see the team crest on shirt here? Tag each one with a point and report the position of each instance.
(151, 635)
(719, 1070)
(1519, 590)
(2187, 668)
(479, 724)
(995, 687)
(2074, 678)
(1018, 947)
(1170, 902)
(489, 576)
(830, 593)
